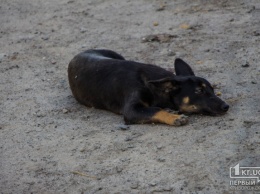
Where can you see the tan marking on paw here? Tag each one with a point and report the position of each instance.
(170, 119)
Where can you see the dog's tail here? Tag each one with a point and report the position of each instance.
(102, 54)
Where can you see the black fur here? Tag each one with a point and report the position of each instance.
(104, 79)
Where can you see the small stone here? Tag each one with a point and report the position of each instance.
(122, 127)
(171, 53)
(130, 146)
(218, 93)
(201, 139)
(167, 188)
(161, 8)
(245, 65)
(161, 159)
(40, 114)
(185, 26)
(53, 62)
(155, 24)
(248, 121)
(128, 138)
(153, 184)
(2, 56)
(83, 30)
(65, 110)
(134, 185)
(82, 150)
(119, 169)
(180, 55)
(257, 33)
(45, 38)
(250, 9)
(253, 82)
(85, 12)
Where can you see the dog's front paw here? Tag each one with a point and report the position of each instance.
(181, 120)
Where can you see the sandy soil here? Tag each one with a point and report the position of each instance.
(51, 144)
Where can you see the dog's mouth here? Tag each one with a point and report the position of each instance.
(205, 111)
(210, 112)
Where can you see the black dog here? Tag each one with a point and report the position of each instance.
(104, 79)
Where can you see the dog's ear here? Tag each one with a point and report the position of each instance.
(166, 84)
(182, 68)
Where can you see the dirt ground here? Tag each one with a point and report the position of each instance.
(51, 144)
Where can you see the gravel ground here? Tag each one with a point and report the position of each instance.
(51, 144)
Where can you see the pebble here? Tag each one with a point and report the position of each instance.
(161, 159)
(83, 30)
(167, 188)
(171, 53)
(45, 37)
(155, 24)
(201, 139)
(2, 56)
(245, 65)
(122, 127)
(134, 185)
(160, 9)
(257, 33)
(53, 62)
(218, 93)
(180, 55)
(119, 169)
(128, 138)
(65, 110)
(153, 184)
(40, 114)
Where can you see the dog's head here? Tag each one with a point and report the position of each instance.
(189, 93)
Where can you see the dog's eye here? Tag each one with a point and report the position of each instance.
(199, 91)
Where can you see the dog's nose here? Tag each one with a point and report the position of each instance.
(225, 107)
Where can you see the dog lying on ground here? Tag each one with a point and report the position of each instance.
(140, 92)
